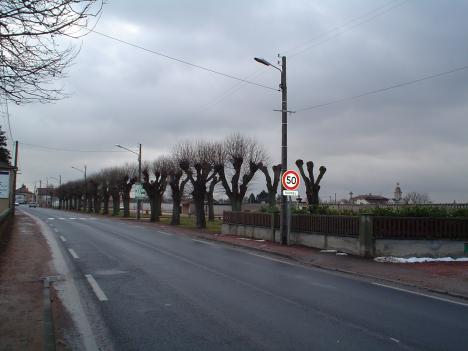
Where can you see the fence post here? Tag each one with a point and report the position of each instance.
(366, 237)
(272, 225)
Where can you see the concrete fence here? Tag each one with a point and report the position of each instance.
(366, 235)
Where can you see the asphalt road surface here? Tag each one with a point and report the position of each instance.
(154, 290)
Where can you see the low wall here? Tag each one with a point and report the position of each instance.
(5, 222)
(365, 244)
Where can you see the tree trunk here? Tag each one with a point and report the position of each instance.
(154, 201)
(175, 220)
(115, 204)
(236, 204)
(97, 204)
(211, 216)
(105, 210)
(126, 204)
(90, 204)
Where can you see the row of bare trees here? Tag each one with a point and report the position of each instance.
(196, 168)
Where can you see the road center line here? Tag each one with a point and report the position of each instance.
(95, 286)
(73, 253)
(63, 239)
(421, 294)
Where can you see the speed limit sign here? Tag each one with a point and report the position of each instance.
(290, 180)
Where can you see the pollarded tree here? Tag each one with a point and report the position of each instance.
(312, 185)
(177, 182)
(104, 193)
(272, 184)
(197, 162)
(114, 177)
(155, 177)
(210, 197)
(236, 166)
(129, 178)
(33, 53)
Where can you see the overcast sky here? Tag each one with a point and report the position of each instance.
(415, 135)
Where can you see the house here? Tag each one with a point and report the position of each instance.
(369, 200)
(44, 196)
(23, 195)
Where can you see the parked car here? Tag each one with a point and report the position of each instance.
(16, 203)
(32, 204)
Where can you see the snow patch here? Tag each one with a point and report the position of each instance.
(341, 254)
(393, 259)
(328, 251)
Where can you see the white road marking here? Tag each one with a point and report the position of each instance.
(72, 218)
(73, 253)
(396, 340)
(204, 242)
(422, 294)
(82, 218)
(51, 219)
(61, 218)
(97, 290)
(165, 233)
(273, 259)
(63, 239)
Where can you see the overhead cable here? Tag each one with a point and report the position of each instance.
(377, 91)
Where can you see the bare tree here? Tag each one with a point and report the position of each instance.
(272, 184)
(210, 198)
(177, 184)
(198, 164)
(129, 177)
(239, 160)
(312, 185)
(31, 38)
(114, 177)
(155, 177)
(414, 197)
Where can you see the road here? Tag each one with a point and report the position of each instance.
(156, 290)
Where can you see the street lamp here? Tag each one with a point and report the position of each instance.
(139, 173)
(284, 143)
(86, 185)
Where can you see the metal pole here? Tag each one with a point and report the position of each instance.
(139, 181)
(12, 206)
(284, 152)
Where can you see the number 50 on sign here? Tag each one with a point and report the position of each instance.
(291, 182)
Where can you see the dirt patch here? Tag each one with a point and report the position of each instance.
(24, 260)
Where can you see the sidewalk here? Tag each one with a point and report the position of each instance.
(449, 278)
(25, 314)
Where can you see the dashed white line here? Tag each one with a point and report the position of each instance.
(165, 233)
(63, 239)
(61, 218)
(51, 219)
(73, 253)
(82, 218)
(396, 340)
(72, 218)
(422, 294)
(95, 286)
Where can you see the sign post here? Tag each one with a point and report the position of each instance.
(290, 181)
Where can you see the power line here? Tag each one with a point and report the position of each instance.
(184, 61)
(314, 42)
(372, 92)
(346, 26)
(65, 150)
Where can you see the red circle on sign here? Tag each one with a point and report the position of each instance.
(290, 180)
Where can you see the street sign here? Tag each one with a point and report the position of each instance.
(290, 180)
(290, 193)
(140, 193)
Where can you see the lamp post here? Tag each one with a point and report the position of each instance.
(139, 173)
(59, 179)
(284, 143)
(86, 185)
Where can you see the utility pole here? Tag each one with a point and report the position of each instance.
(284, 151)
(139, 181)
(14, 179)
(284, 226)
